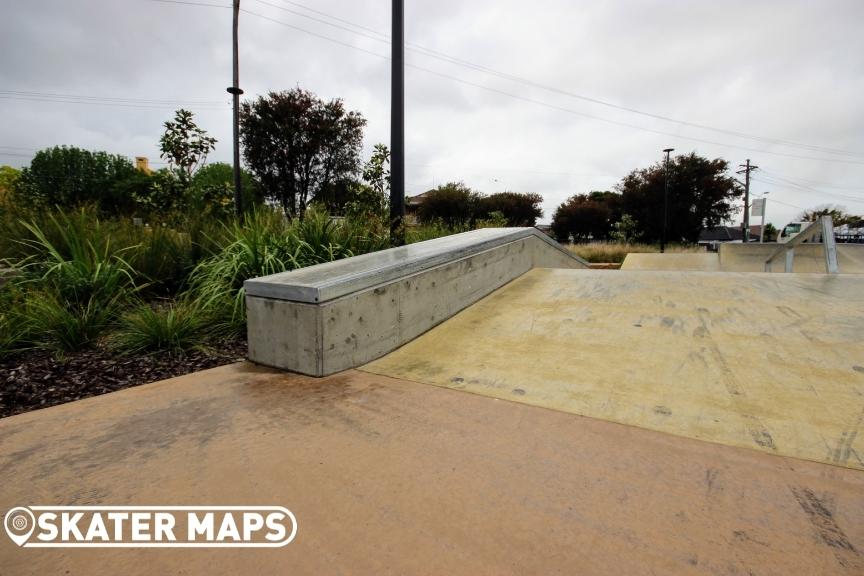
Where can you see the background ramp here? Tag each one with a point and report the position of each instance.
(773, 362)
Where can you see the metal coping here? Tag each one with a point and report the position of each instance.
(324, 282)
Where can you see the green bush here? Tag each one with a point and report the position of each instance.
(62, 326)
(148, 328)
(15, 328)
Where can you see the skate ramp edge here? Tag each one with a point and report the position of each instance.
(339, 315)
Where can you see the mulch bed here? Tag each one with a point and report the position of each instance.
(38, 379)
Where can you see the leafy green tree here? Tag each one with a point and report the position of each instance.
(587, 216)
(701, 195)
(184, 145)
(297, 145)
(838, 215)
(453, 203)
(770, 233)
(626, 230)
(68, 176)
(517, 209)
(212, 190)
(9, 177)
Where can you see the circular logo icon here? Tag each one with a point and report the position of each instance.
(19, 523)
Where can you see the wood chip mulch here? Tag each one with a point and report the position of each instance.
(38, 379)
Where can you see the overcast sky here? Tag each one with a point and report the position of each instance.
(790, 71)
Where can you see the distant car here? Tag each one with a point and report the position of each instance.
(791, 230)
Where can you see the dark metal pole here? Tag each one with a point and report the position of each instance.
(665, 199)
(397, 127)
(746, 231)
(235, 91)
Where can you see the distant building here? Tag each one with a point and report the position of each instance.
(142, 163)
(719, 234)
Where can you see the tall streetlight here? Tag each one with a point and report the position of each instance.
(235, 91)
(665, 199)
(397, 127)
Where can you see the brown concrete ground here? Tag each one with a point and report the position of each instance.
(387, 476)
(773, 362)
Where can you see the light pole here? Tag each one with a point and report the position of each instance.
(235, 91)
(397, 127)
(665, 199)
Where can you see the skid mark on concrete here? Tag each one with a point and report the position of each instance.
(762, 361)
(818, 511)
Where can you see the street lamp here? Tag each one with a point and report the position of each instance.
(665, 199)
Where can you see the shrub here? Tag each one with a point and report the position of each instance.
(64, 327)
(171, 327)
(68, 177)
(517, 209)
(453, 204)
(15, 329)
(80, 271)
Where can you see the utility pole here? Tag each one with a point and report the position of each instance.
(746, 169)
(665, 199)
(235, 91)
(397, 127)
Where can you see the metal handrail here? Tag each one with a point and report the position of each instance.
(823, 225)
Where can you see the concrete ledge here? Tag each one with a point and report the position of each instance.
(339, 315)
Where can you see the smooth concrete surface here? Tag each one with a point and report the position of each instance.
(705, 262)
(731, 257)
(392, 477)
(773, 362)
(328, 336)
(809, 258)
(331, 280)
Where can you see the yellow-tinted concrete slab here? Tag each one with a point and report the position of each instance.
(732, 257)
(707, 262)
(773, 362)
(392, 477)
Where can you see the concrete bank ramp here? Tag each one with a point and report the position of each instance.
(330, 317)
(809, 259)
(707, 262)
(773, 362)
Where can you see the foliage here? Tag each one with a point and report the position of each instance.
(701, 195)
(616, 252)
(264, 243)
(626, 230)
(587, 216)
(9, 177)
(297, 145)
(495, 219)
(149, 328)
(770, 233)
(518, 209)
(212, 191)
(454, 204)
(184, 145)
(15, 328)
(65, 327)
(838, 215)
(376, 172)
(69, 177)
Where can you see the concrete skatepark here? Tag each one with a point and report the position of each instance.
(485, 404)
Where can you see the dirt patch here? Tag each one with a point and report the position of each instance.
(38, 379)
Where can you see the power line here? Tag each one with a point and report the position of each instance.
(111, 98)
(780, 183)
(546, 104)
(380, 37)
(819, 183)
(106, 103)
